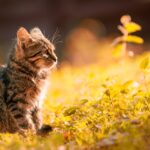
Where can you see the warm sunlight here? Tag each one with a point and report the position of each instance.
(98, 94)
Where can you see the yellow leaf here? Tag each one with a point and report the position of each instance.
(145, 63)
(132, 27)
(133, 39)
(70, 111)
(117, 52)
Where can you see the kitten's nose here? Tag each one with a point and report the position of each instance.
(53, 57)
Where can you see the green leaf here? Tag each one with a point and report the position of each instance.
(70, 111)
(145, 63)
(132, 27)
(133, 39)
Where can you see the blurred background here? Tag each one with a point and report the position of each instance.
(79, 28)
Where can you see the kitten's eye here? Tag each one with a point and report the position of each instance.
(45, 55)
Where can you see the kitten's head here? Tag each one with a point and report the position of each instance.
(35, 48)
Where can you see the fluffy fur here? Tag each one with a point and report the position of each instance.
(23, 81)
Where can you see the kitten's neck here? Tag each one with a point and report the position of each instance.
(42, 74)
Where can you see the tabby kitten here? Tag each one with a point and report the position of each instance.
(24, 81)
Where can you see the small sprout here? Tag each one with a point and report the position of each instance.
(126, 28)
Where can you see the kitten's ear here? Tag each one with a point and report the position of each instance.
(22, 35)
(22, 39)
(36, 33)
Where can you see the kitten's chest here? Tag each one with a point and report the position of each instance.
(43, 87)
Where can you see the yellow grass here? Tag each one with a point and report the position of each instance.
(92, 107)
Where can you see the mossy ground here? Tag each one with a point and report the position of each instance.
(94, 107)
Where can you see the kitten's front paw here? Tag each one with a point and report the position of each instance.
(45, 129)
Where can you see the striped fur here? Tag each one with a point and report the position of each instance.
(23, 80)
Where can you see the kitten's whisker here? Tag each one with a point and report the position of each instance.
(55, 36)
